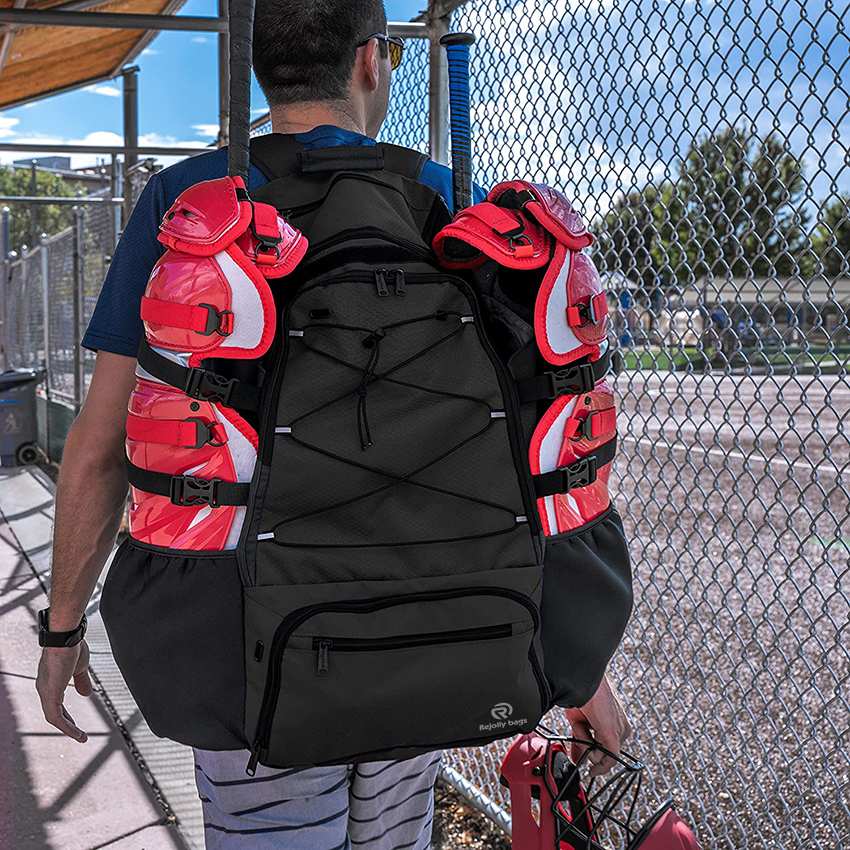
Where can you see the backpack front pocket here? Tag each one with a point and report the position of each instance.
(366, 678)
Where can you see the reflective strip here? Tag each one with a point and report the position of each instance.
(269, 535)
(497, 414)
(522, 519)
(296, 333)
(283, 430)
(467, 318)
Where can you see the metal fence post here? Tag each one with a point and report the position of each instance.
(78, 296)
(45, 292)
(438, 85)
(5, 246)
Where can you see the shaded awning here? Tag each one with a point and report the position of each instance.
(46, 60)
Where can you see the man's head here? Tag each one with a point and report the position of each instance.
(306, 52)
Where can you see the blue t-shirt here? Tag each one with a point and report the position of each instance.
(116, 325)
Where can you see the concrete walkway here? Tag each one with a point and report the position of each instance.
(125, 789)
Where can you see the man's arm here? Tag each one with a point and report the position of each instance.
(90, 499)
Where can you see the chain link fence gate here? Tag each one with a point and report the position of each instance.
(708, 143)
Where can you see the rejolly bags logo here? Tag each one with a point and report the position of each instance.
(501, 713)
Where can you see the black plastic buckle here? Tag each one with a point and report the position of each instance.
(572, 381)
(194, 492)
(208, 386)
(580, 473)
(215, 321)
(205, 434)
(585, 428)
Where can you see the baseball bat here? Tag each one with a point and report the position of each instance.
(241, 26)
(457, 52)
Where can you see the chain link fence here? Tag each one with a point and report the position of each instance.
(707, 142)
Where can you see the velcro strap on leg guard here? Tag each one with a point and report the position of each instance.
(578, 474)
(192, 433)
(188, 490)
(486, 230)
(548, 207)
(591, 312)
(198, 383)
(594, 425)
(201, 318)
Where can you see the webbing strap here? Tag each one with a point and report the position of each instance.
(198, 383)
(201, 318)
(592, 426)
(580, 473)
(591, 313)
(189, 433)
(572, 380)
(188, 490)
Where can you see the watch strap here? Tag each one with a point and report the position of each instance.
(49, 638)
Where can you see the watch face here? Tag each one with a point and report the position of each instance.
(42, 620)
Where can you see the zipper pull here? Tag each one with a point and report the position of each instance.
(251, 769)
(324, 646)
(399, 282)
(381, 282)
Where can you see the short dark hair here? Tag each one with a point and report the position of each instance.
(304, 50)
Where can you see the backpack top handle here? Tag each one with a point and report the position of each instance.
(241, 28)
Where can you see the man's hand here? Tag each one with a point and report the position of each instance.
(58, 665)
(602, 720)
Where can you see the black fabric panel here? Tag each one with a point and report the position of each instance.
(587, 600)
(175, 626)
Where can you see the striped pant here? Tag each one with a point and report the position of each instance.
(386, 805)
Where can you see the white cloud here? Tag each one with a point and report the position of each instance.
(6, 125)
(107, 91)
(201, 39)
(149, 51)
(105, 138)
(208, 130)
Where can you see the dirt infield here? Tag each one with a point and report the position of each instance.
(731, 491)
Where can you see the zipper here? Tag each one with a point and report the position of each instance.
(381, 282)
(324, 645)
(399, 282)
(294, 619)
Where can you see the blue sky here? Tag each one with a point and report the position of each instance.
(594, 96)
(178, 95)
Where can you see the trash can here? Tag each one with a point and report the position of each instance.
(18, 422)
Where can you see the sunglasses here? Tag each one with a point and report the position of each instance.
(396, 46)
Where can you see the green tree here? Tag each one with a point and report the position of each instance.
(50, 218)
(734, 205)
(743, 205)
(831, 239)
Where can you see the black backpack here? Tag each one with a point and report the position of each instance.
(397, 592)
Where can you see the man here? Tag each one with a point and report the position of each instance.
(326, 75)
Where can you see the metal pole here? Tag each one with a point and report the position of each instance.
(131, 132)
(223, 78)
(33, 208)
(5, 245)
(110, 20)
(115, 184)
(45, 294)
(78, 311)
(438, 87)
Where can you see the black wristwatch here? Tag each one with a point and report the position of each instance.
(48, 638)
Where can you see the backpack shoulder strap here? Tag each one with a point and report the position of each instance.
(404, 161)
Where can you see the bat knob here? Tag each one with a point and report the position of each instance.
(451, 38)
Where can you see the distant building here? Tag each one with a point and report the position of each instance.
(63, 162)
